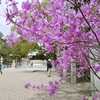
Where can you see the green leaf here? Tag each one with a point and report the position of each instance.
(94, 10)
(49, 18)
(39, 6)
(12, 28)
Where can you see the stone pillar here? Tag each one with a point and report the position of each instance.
(95, 83)
(73, 74)
(13, 64)
(92, 83)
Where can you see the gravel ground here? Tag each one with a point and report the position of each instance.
(12, 87)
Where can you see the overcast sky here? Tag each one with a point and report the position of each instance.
(5, 29)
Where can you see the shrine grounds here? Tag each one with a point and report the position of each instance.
(12, 86)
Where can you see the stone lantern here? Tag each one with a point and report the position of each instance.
(1, 60)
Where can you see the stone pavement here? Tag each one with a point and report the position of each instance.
(12, 85)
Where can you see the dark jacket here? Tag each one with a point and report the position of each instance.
(0, 65)
(49, 65)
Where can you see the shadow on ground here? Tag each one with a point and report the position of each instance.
(67, 91)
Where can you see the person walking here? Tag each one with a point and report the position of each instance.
(31, 64)
(49, 66)
(1, 68)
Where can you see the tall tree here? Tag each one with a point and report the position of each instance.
(1, 35)
(22, 48)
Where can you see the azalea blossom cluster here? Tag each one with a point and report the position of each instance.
(69, 27)
(12, 40)
(51, 88)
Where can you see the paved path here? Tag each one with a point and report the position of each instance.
(23, 69)
(12, 85)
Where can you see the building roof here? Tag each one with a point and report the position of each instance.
(33, 53)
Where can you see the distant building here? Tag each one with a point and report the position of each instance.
(32, 55)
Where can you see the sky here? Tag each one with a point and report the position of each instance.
(4, 28)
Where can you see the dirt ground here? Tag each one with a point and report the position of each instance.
(12, 87)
